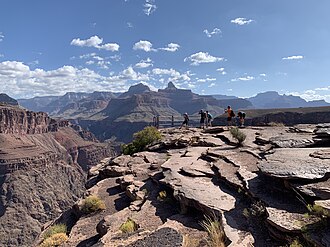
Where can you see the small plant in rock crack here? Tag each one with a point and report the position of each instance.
(213, 226)
(238, 135)
(129, 226)
(162, 195)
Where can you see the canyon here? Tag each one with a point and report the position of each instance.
(43, 167)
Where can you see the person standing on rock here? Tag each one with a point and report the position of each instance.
(203, 117)
(185, 120)
(209, 119)
(241, 115)
(230, 115)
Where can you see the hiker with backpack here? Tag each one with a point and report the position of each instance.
(230, 115)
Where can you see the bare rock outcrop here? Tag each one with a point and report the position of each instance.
(270, 191)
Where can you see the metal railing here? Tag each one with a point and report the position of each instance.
(174, 121)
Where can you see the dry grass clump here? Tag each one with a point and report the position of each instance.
(238, 135)
(189, 241)
(129, 226)
(55, 240)
(55, 229)
(214, 228)
(92, 204)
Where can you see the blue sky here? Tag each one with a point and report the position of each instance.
(233, 47)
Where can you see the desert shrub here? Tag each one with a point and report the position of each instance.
(55, 240)
(214, 228)
(238, 135)
(55, 229)
(129, 226)
(141, 139)
(92, 204)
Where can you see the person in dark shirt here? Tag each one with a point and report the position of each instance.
(241, 115)
(185, 120)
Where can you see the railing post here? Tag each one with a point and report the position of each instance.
(172, 124)
(157, 122)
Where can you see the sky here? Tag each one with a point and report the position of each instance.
(231, 47)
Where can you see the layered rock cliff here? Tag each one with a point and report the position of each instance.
(43, 166)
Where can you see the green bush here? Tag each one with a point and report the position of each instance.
(142, 139)
(129, 226)
(55, 240)
(238, 135)
(92, 204)
(55, 229)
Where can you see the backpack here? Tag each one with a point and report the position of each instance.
(232, 113)
(209, 116)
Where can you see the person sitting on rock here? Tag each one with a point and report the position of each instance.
(241, 115)
(203, 117)
(185, 120)
(230, 114)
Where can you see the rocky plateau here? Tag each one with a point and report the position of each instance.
(271, 191)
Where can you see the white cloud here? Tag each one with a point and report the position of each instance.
(95, 42)
(263, 75)
(212, 84)
(109, 47)
(322, 88)
(23, 82)
(245, 78)
(149, 7)
(171, 75)
(1, 55)
(213, 32)
(144, 64)
(171, 72)
(1, 36)
(129, 25)
(313, 94)
(172, 47)
(293, 57)
(206, 80)
(143, 45)
(222, 71)
(202, 57)
(241, 21)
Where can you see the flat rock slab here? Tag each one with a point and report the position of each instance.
(295, 163)
(164, 237)
(320, 189)
(198, 191)
(325, 204)
(287, 221)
